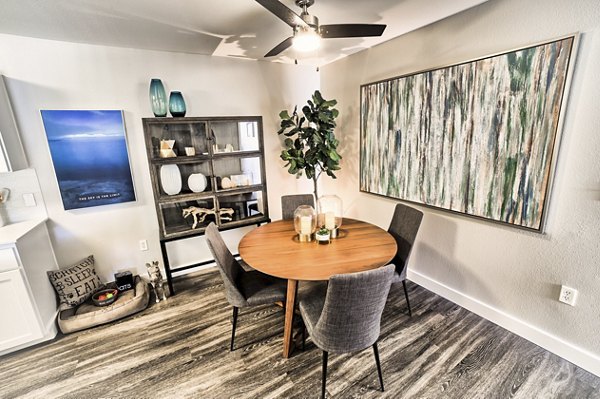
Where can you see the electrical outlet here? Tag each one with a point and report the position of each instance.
(568, 295)
(143, 245)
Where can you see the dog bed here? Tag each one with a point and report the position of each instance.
(86, 315)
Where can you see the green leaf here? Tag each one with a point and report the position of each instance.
(317, 97)
(284, 114)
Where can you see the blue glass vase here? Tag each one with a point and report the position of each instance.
(176, 104)
(158, 98)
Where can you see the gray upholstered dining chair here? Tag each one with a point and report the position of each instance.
(347, 317)
(242, 288)
(289, 203)
(404, 228)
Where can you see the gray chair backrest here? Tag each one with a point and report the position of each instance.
(229, 267)
(351, 316)
(404, 228)
(289, 203)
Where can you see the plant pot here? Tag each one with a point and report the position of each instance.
(322, 238)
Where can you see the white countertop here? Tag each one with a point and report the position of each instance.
(9, 234)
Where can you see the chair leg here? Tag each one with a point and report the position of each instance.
(235, 315)
(324, 374)
(406, 295)
(376, 353)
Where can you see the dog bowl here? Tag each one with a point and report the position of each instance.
(105, 297)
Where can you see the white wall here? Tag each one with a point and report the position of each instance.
(21, 182)
(44, 74)
(508, 275)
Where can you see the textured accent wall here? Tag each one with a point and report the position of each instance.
(518, 273)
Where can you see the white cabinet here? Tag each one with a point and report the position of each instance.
(12, 156)
(28, 304)
(19, 321)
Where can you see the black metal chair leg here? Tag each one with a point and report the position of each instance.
(235, 315)
(406, 295)
(376, 353)
(324, 375)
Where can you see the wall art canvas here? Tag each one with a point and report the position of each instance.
(89, 153)
(476, 138)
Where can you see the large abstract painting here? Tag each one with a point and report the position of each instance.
(476, 138)
(89, 153)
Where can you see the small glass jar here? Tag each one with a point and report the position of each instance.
(305, 222)
(330, 213)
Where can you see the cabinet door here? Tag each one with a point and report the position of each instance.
(169, 138)
(235, 136)
(19, 320)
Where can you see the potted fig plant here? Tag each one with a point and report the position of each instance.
(310, 145)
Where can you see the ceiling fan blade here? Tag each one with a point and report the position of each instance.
(283, 13)
(351, 30)
(280, 47)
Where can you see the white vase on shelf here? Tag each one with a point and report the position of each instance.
(170, 179)
(197, 182)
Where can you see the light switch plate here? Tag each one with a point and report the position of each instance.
(29, 199)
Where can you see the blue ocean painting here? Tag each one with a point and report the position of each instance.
(89, 153)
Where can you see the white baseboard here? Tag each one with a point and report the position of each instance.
(578, 356)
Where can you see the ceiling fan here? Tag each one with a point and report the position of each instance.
(308, 32)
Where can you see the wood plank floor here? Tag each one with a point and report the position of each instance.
(179, 349)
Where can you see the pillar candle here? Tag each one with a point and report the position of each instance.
(305, 225)
(329, 220)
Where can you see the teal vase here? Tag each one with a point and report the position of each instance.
(176, 104)
(158, 98)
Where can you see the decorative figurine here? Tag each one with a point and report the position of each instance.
(200, 214)
(156, 280)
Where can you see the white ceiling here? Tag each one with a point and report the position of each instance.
(235, 28)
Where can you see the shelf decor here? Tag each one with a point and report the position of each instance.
(478, 138)
(197, 182)
(166, 149)
(170, 179)
(90, 158)
(177, 104)
(158, 98)
(305, 222)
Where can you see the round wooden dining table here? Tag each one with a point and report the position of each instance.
(274, 249)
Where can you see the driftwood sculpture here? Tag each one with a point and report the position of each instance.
(200, 214)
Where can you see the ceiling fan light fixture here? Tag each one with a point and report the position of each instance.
(306, 40)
